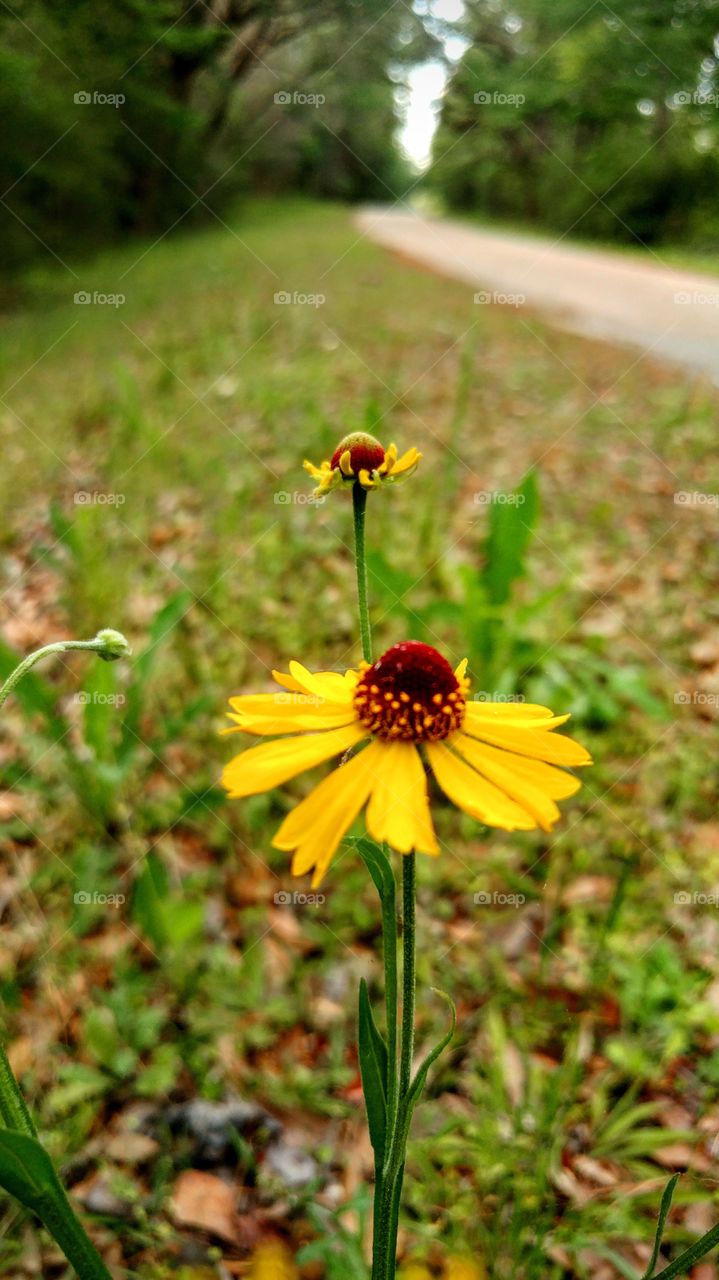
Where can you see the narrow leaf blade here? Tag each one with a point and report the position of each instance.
(664, 1208)
(373, 1069)
(26, 1170)
(420, 1079)
(379, 867)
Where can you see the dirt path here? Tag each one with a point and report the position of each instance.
(669, 312)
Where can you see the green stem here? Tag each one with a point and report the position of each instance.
(108, 644)
(359, 504)
(389, 932)
(389, 944)
(398, 1121)
(409, 977)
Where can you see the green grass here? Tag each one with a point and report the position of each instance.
(700, 257)
(587, 1015)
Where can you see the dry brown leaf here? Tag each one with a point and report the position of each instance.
(13, 804)
(131, 1148)
(595, 1171)
(202, 1200)
(679, 1155)
(570, 1186)
(588, 889)
(705, 652)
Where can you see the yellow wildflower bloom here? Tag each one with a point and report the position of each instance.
(501, 762)
(272, 1261)
(359, 457)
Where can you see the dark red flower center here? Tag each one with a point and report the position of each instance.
(411, 693)
(366, 453)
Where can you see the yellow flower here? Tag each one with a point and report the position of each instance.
(362, 458)
(272, 1261)
(463, 1269)
(496, 760)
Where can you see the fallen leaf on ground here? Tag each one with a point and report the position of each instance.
(204, 1201)
(588, 889)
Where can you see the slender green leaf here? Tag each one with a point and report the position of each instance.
(510, 529)
(682, 1265)
(26, 1170)
(379, 867)
(664, 1208)
(373, 1068)
(420, 1079)
(378, 1044)
(149, 895)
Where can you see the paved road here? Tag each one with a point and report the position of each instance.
(637, 302)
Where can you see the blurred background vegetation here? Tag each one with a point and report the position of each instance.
(625, 97)
(626, 100)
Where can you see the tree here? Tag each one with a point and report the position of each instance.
(588, 119)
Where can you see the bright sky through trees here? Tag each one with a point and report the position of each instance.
(426, 84)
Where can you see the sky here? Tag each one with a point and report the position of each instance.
(426, 85)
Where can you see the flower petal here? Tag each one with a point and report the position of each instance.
(267, 713)
(535, 740)
(331, 685)
(390, 457)
(460, 670)
(478, 797)
(317, 473)
(534, 785)
(315, 827)
(287, 681)
(511, 713)
(407, 461)
(398, 810)
(272, 763)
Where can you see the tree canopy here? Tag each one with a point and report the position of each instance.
(591, 118)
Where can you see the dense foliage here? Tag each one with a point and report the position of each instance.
(591, 118)
(130, 116)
